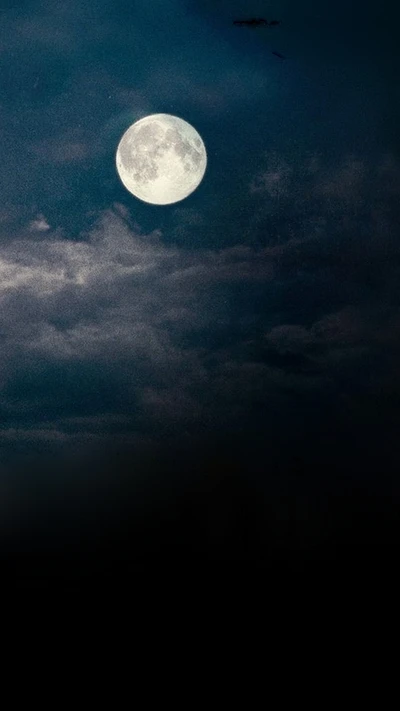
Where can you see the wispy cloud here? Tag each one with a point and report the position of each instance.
(275, 181)
(39, 225)
(60, 150)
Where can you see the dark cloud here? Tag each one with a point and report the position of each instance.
(119, 303)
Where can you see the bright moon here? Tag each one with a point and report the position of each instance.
(161, 159)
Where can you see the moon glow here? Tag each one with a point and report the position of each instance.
(161, 159)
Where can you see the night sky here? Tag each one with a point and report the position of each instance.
(212, 385)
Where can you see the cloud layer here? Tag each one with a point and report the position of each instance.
(120, 334)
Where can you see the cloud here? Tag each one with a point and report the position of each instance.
(60, 150)
(39, 225)
(63, 29)
(290, 338)
(347, 182)
(275, 181)
(348, 186)
(388, 174)
(121, 302)
(119, 333)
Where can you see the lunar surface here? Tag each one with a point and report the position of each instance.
(161, 159)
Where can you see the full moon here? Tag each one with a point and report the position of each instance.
(161, 159)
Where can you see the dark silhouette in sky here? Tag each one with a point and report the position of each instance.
(257, 22)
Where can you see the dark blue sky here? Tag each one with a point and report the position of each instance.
(249, 333)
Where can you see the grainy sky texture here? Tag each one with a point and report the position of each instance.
(228, 364)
